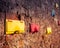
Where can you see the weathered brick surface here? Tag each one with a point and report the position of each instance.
(39, 39)
(2, 38)
(29, 40)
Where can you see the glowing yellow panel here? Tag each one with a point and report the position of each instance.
(49, 30)
(13, 26)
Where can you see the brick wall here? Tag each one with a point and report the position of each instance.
(39, 13)
(29, 40)
(2, 37)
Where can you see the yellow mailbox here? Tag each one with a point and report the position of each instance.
(14, 26)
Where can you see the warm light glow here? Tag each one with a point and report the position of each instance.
(57, 5)
(49, 30)
(34, 27)
(14, 25)
(59, 22)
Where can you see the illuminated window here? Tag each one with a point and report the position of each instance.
(49, 30)
(57, 5)
(15, 26)
(34, 28)
(53, 13)
(58, 22)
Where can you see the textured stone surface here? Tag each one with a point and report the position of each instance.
(41, 16)
(36, 40)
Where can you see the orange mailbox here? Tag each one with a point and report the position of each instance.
(15, 26)
(34, 28)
